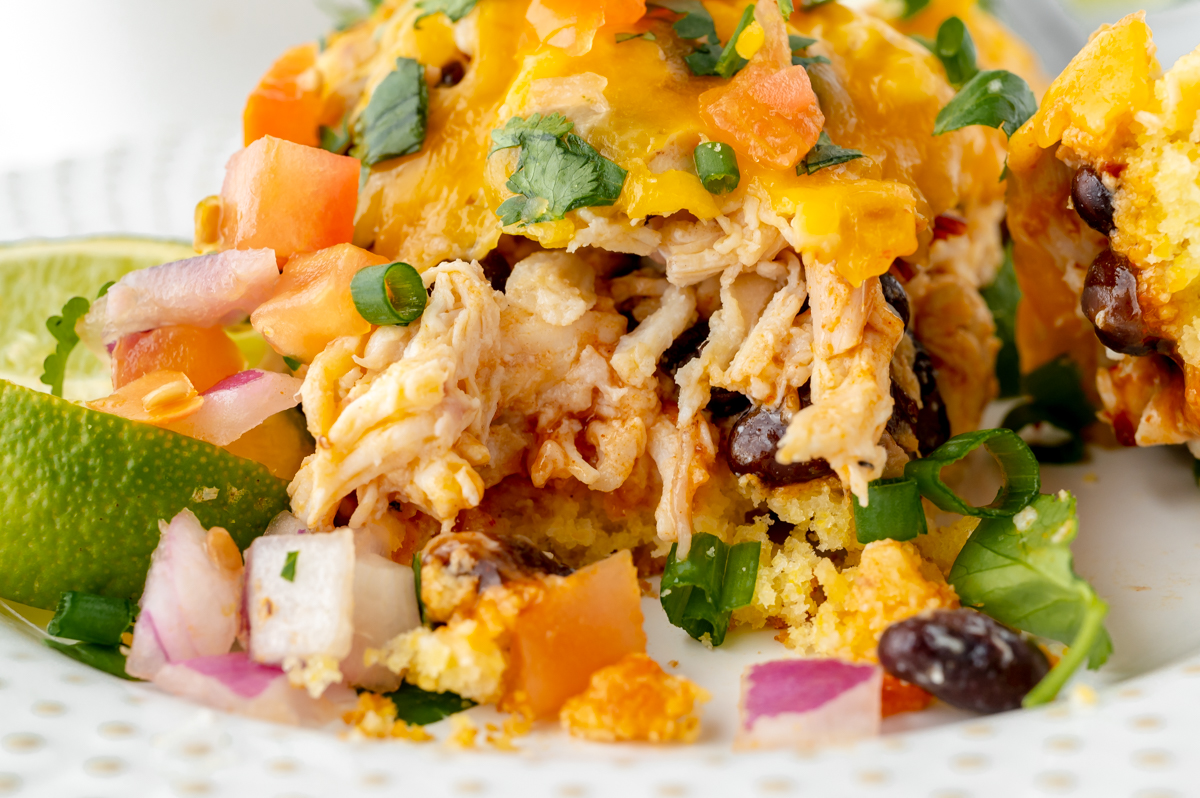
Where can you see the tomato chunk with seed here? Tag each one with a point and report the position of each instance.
(312, 304)
(205, 354)
(286, 103)
(586, 621)
(772, 115)
(288, 197)
(900, 696)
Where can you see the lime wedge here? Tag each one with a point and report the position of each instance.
(82, 492)
(36, 280)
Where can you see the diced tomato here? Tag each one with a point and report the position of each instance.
(205, 355)
(158, 398)
(900, 696)
(286, 103)
(312, 304)
(586, 621)
(772, 115)
(288, 197)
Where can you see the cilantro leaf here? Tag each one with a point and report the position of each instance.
(786, 7)
(700, 593)
(825, 153)
(62, 327)
(454, 9)
(995, 98)
(1055, 413)
(289, 566)
(696, 24)
(800, 42)
(555, 174)
(516, 129)
(1019, 571)
(956, 50)
(421, 707)
(1002, 297)
(393, 123)
(335, 139)
(913, 7)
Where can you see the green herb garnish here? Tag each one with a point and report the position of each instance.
(716, 164)
(289, 566)
(292, 362)
(1019, 571)
(389, 294)
(1055, 399)
(454, 9)
(92, 619)
(346, 16)
(700, 593)
(956, 50)
(1019, 468)
(808, 5)
(729, 62)
(421, 707)
(416, 566)
(626, 37)
(104, 288)
(800, 42)
(103, 658)
(335, 139)
(695, 24)
(825, 153)
(893, 511)
(556, 173)
(393, 123)
(54, 368)
(912, 8)
(995, 98)
(786, 7)
(807, 61)
(1002, 297)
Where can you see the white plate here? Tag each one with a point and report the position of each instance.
(66, 730)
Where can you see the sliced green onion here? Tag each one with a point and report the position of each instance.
(422, 707)
(893, 511)
(389, 294)
(416, 566)
(1022, 480)
(730, 62)
(716, 164)
(700, 593)
(289, 566)
(92, 619)
(103, 658)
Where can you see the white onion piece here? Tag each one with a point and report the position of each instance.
(809, 702)
(238, 404)
(385, 605)
(235, 683)
(221, 288)
(191, 606)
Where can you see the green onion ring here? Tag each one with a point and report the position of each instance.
(389, 294)
(1022, 480)
(893, 511)
(716, 164)
(91, 619)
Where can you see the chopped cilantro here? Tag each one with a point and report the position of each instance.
(995, 98)
(289, 566)
(292, 362)
(825, 153)
(393, 123)
(454, 9)
(335, 139)
(913, 7)
(422, 707)
(557, 171)
(729, 61)
(696, 24)
(956, 50)
(63, 329)
(1002, 297)
(800, 42)
(786, 7)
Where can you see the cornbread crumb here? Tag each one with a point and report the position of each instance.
(375, 717)
(314, 674)
(635, 700)
(463, 657)
(462, 732)
(891, 582)
(502, 737)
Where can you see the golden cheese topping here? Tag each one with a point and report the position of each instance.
(639, 105)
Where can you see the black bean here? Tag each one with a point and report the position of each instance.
(1110, 302)
(686, 347)
(453, 73)
(496, 269)
(1092, 200)
(896, 297)
(753, 442)
(932, 424)
(964, 658)
(723, 403)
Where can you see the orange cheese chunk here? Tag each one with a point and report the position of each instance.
(288, 197)
(312, 304)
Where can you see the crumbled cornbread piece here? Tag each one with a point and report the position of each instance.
(462, 657)
(942, 544)
(376, 717)
(462, 732)
(502, 737)
(890, 583)
(314, 674)
(635, 700)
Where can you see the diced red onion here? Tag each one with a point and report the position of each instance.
(236, 671)
(238, 404)
(808, 702)
(205, 291)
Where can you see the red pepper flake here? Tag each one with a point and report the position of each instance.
(900, 696)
